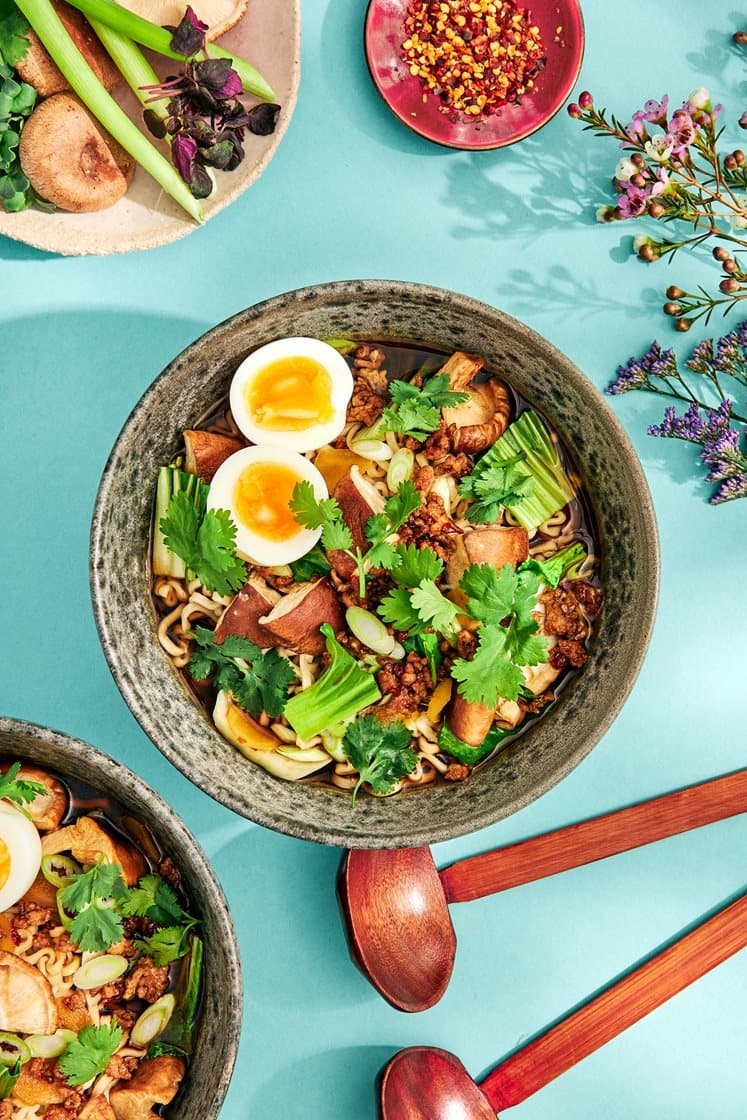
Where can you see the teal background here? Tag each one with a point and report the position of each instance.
(352, 194)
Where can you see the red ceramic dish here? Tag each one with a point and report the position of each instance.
(562, 30)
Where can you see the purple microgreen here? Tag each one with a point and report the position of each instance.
(156, 125)
(263, 118)
(216, 76)
(188, 39)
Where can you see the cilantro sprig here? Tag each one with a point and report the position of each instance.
(503, 601)
(380, 752)
(92, 896)
(257, 681)
(19, 790)
(154, 899)
(416, 410)
(206, 542)
(495, 486)
(326, 514)
(90, 1053)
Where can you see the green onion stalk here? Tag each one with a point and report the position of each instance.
(132, 65)
(158, 39)
(50, 30)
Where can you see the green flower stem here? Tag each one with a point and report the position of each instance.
(48, 26)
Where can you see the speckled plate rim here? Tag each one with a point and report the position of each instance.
(232, 1006)
(493, 146)
(362, 828)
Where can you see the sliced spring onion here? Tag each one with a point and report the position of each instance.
(332, 738)
(304, 754)
(153, 1021)
(158, 39)
(374, 449)
(12, 1049)
(170, 480)
(398, 652)
(50, 1045)
(370, 630)
(51, 31)
(99, 971)
(58, 869)
(400, 468)
(342, 345)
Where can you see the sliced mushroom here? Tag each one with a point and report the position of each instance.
(67, 157)
(47, 809)
(508, 714)
(480, 421)
(538, 678)
(89, 842)
(206, 451)
(469, 722)
(242, 615)
(358, 500)
(296, 618)
(27, 1005)
(497, 545)
(155, 1081)
(38, 69)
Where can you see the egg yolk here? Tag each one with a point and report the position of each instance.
(290, 394)
(262, 500)
(4, 863)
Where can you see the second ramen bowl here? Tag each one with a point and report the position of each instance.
(159, 697)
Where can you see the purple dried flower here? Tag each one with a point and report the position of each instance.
(701, 359)
(728, 350)
(723, 456)
(629, 377)
(732, 488)
(717, 420)
(689, 426)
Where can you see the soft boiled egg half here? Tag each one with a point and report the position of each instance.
(292, 393)
(256, 485)
(20, 854)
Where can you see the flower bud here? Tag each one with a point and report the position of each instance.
(720, 253)
(586, 100)
(638, 181)
(699, 98)
(739, 37)
(647, 252)
(656, 210)
(672, 309)
(673, 292)
(625, 170)
(729, 286)
(683, 325)
(739, 156)
(638, 160)
(730, 265)
(743, 120)
(574, 110)
(730, 163)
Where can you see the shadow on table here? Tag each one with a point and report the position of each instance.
(282, 895)
(11, 251)
(716, 51)
(338, 1084)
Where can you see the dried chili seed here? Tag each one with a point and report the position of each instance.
(476, 55)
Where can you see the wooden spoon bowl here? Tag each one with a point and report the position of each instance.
(424, 1083)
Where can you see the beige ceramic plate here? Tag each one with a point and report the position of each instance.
(269, 37)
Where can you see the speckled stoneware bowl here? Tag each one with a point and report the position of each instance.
(204, 1088)
(158, 696)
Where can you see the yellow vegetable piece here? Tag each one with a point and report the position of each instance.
(246, 732)
(334, 463)
(439, 699)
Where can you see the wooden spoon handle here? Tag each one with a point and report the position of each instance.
(596, 838)
(617, 1008)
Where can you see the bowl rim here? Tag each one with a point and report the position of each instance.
(365, 836)
(492, 146)
(170, 819)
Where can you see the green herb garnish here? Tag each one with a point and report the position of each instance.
(8, 1077)
(257, 681)
(17, 100)
(503, 601)
(206, 543)
(494, 487)
(416, 564)
(416, 411)
(380, 752)
(93, 896)
(166, 945)
(18, 790)
(90, 1053)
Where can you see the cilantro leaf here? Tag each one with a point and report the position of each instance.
(92, 896)
(416, 564)
(508, 638)
(433, 608)
(382, 555)
(336, 536)
(396, 608)
(153, 898)
(206, 544)
(257, 681)
(89, 1054)
(313, 564)
(401, 505)
(416, 410)
(311, 511)
(495, 486)
(14, 29)
(380, 752)
(166, 945)
(18, 790)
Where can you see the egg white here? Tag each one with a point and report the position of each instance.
(306, 439)
(252, 546)
(24, 847)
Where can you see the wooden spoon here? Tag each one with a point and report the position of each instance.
(424, 1083)
(392, 900)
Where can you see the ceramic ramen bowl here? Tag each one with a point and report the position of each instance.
(211, 1064)
(159, 696)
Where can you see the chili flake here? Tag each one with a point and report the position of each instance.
(475, 55)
